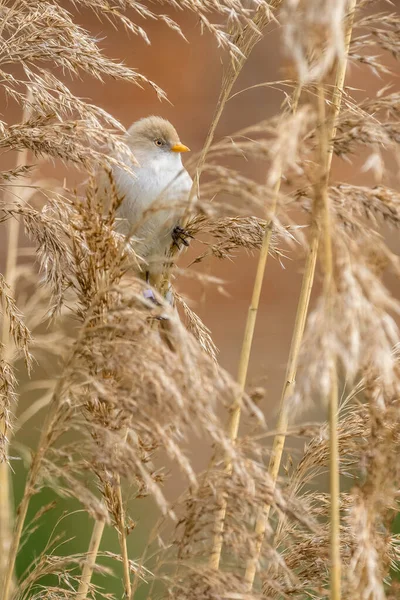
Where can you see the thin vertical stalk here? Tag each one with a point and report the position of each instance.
(283, 418)
(245, 42)
(29, 491)
(35, 466)
(122, 540)
(301, 315)
(334, 480)
(91, 558)
(233, 426)
(120, 523)
(13, 228)
(334, 486)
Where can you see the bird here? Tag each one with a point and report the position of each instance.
(155, 192)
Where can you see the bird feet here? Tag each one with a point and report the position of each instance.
(180, 236)
(149, 295)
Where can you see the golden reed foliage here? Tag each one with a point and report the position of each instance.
(135, 380)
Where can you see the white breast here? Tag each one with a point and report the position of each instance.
(154, 200)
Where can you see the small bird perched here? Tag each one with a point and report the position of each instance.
(155, 193)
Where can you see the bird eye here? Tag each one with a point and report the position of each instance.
(158, 142)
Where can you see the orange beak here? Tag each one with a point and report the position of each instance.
(179, 148)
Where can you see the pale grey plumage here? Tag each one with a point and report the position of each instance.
(156, 192)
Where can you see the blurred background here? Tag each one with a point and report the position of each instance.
(190, 73)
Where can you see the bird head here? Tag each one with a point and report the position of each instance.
(155, 135)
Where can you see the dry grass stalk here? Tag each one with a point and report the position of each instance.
(322, 201)
(301, 315)
(46, 434)
(233, 425)
(287, 391)
(6, 512)
(91, 558)
(245, 38)
(122, 540)
(246, 42)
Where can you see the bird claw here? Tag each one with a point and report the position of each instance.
(149, 295)
(180, 236)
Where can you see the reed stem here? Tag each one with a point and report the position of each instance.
(283, 418)
(245, 42)
(323, 200)
(334, 486)
(13, 228)
(233, 426)
(34, 469)
(91, 558)
(299, 326)
(19, 525)
(122, 540)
